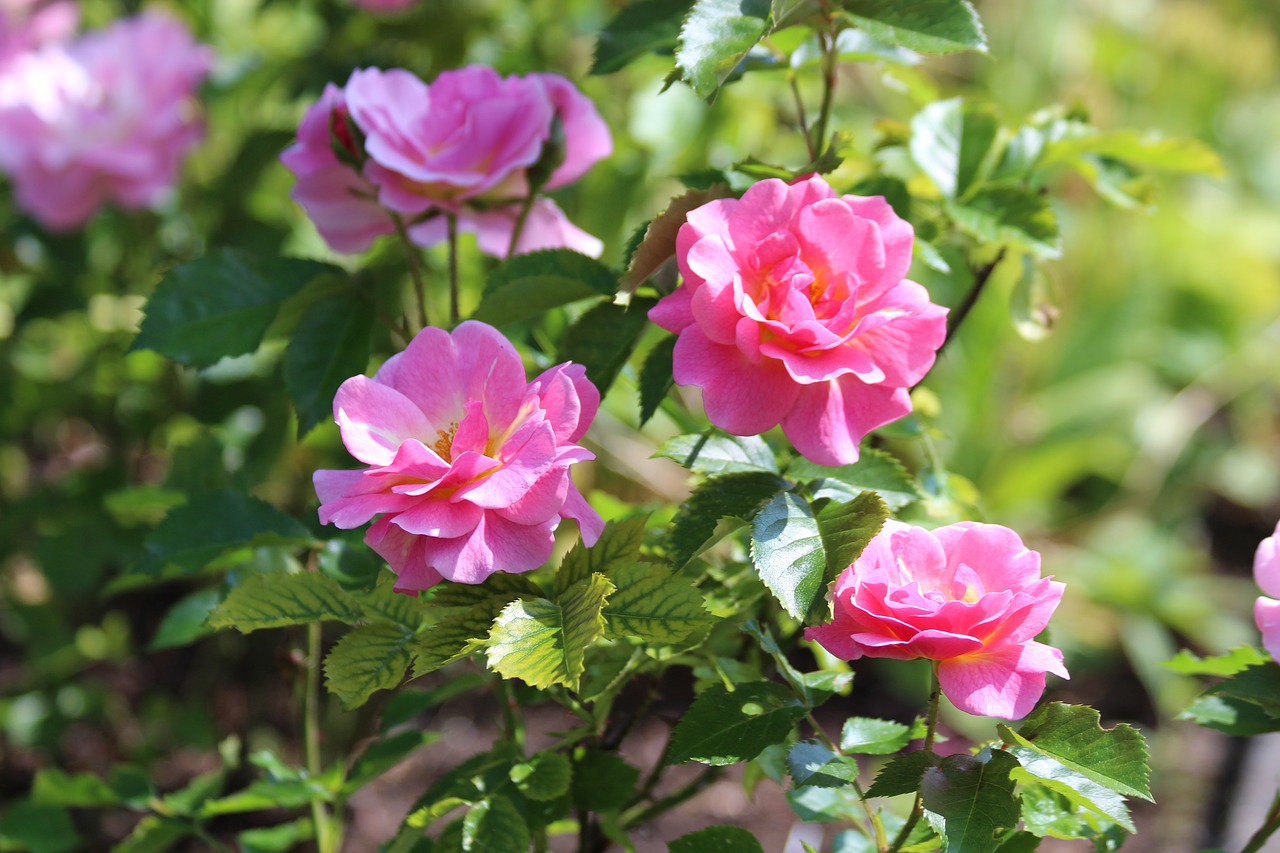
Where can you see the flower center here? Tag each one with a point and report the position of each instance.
(444, 442)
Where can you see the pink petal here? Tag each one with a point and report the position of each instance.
(404, 553)
(438, 518)
(740, 397)
(1004, 682)
(896, 235)
(675, 310)
(830, 419)
(589, 521)
(1266, 564)
(375, 419)
(996, 553)
(1266, 613)
(495, 545)
(569, 399)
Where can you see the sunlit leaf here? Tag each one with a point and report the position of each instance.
(211, 524)
(653, 605)
(929, 26)
(638, 28)
(715, 37)
(714, 454)
(542, 642)
(975, 798)
(276, 599)
(812, 763)
(736, 495)
(368, 658)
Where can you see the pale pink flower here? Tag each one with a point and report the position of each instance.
(107, 118)
(468, 463)
(1266, 611)
(28, 24)
(968, 595)
(794, 310)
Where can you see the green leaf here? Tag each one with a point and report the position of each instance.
(1230, 716)
(868, 736)
(602, 781)
(543, 642)
(1237, 660)
(875, 471)
(929, 26)
(1048, 813)
(602, 339)
(656, 377)
(221, 305)
(1144, 150)
(543, 777)
(53, 787)
(153, 834)
(618, 545)
(846, 529)
(384, 754)
(211, 524)
(902, 774)
(639, 28)
(955, 144)
(716, 839)
(723, 727)
(276, 839)
(534, 282)
(813, 688)
(653, 605)
(733, 495)
(657, 244)
(1019, 842)
(1257, 684)
(467, 612)
(371, 657)
(1009, 215)
(812, 763)
(1071, 735)
(974, 795)
(714, 455)
(787, 551)
(854, 45)
(185, 621)
(495, 826)
(1077, 789)
(276, 599)
(715, 37)
(826, 805)
(329, 345)
(384, 604)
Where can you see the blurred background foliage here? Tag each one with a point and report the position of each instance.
(1134, 443)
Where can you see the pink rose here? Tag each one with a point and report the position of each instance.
(1266, 572)
(468, 462)
(794, 310)
(968, 595)
(109, 117)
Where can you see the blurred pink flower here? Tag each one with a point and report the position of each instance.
(968, 595)
(462, 146)
(468, 463)
(109, 117)
(28, 24)
(1266, 611)
(794, 310)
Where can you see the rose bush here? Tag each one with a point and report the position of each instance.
(967, 595)
(468, 463)
(794, 309)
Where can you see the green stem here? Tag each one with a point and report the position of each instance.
(697, 448)
(452, 222)
(828, 91)
(802, 118)
(415, 267)
(931, 732)
(1268, 828)
(513, 723)
(956, 317)
(327, 840)
(873, 817)
(521, 219)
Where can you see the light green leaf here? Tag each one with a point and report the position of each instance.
(1009, 215)
(221, 305)
(371, 657)
(638, 28)
(875, 471)
(268, 794)
(715, 37)
(974, 796)
(466, 613)
(715, 455)
(1144, 150)
(733, 495)
(1033, 312)
(656, 377)
(211, 524)
(929, 26)
(1080, 791)
(812, 763)
(543, 642)
(185, 621)
(1048, 813)
(723, 727)
(276, 599)
(1071, 735)
(543, 777)
(534, 282)
(152, 834)
(1237, 660)
(329, 345)
(618, 545)
(53, 787)
(874, 737)
(716, 839)
(495, 826)
(602, 339)
(276, 839)
(1258, 684)
(955, 144)
(384, 604)
(652, 604)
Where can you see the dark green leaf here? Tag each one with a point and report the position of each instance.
(276, 599)
(1071, 735)
(846, 529)
(929, 26)
(639, 28)
(543, 642)
(185, 621)
(715, 37)
(603, 339)
(723, 727)
(1237, 660)
(276, 839)
(371, 657)
(330, 345)
(874, 737)
(531, 283)
(875, 471)
(618, 545)
(384, 604)
(1230, 716)
(1019, 842)
(787, 551)
(733, 495)
(351, 563)
(656, 377)
(211, 524)
(602, 781)
(714, 454)
(545, 776)
(902, 775)
(812, 763)
(657, 246)
(53, 787)
(467, 614)
(813, 688)
(221, 304)
(974, 795)
(1257, 684)
(716, 839)
(495, 826)
(653, 605)
(954, 144)
(1009, 215)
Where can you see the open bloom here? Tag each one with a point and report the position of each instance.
(464, 147)
(468, 463)
(109, 117)
(1266, 611)
(968, 595)
(794, 310)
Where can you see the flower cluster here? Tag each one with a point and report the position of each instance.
(468, 463)
(106, 118)
(968, 595)
(794, 310)
(472, 145)
(1266, 611)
